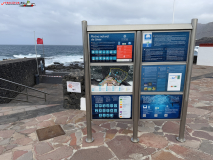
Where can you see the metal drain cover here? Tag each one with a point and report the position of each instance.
(49, 132)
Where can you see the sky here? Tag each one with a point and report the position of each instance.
(59, 21)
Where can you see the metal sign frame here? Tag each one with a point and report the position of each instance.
(138, 30)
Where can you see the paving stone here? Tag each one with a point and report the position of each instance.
(159, 123)
(4, 126)
(191, 142)
(100, 153)
(6, 133)
(122, 125)
(73, 140)
(24, 148)
(31, 123)
(68, 127)
(202, 134)
(189, 154)
(119, 146)
(206, 147)
(153, 140)
(44, 118)
(61, 120)
(97, 128)
(125, 131)
(198, 126)
(84, 131)
(19, 112)
(189, 120)
(28, 131)
(208, 129)
(59, 153)
(106, 125)
(200, 120)
(191, 115)
(157, 128)
(6, 156)
(170, 127)
(10, 146)
(78, 136)
(45, 124)
(197, 111)
(8, 120)
(22, 141)
(1, 149)
(17, 135)
(61, 139)
(26, 156)
(113, 125)
(5, 141)
(98, 140)
(98, 122)
(17, 154)
(33, 136)
(110, 134)
(162, 155)
(136, 156)
(159, 133)
(61, 114)
(42, 147)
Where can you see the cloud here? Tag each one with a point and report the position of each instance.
(59, 22)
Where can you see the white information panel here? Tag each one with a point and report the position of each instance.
(73, 87)
(124, 106)
(174, 81)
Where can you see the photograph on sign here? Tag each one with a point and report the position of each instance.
(165, 46)
(73, 86)
(111, 47)
(160, 106)
(174, 81)
(156, 78)
(111, 106)
(111, 78)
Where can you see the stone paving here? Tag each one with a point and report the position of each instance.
(18, 139)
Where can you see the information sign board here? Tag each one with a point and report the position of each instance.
(165, 46)
(111, 47)
(160, 106)
(111, 106)
(111, 78)
(159, 78)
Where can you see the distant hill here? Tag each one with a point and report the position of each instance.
(204, 30)
(204, 40)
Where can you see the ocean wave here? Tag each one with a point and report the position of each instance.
(27, 56)
(66, 60)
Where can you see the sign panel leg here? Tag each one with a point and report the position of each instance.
(187, 83)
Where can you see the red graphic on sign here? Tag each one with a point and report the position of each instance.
(70, 86)
(124, 51)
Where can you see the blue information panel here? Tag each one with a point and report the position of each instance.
(155, 78)
(111, 106)
(111, 47)
(165, 46)
(160, 106)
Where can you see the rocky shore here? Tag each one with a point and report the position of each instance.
(60, 67)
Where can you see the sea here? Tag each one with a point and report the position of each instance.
(65, 54)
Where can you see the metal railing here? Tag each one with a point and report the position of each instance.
(26, 89)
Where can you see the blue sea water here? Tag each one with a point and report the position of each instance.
(65, 54)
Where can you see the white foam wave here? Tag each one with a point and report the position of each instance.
(27, 56)
(66, 60)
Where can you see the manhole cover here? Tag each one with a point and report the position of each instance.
(49, 132)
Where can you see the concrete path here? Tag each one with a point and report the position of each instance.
(18, 139)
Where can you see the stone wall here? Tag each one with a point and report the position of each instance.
(71, 99)
(20, 71)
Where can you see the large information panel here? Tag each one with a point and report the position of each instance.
(161, 78)
(165, 46)
(160, 106)
(111, 78)
(111, 106)
(111, 47)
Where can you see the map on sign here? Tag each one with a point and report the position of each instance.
(111, 79)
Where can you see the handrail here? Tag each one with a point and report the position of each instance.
(26, 87)
(15, 99)
(23, 85)
(21, 93)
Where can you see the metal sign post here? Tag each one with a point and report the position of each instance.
(152, 62)
(187, 83)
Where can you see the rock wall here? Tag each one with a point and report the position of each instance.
(20, 71)
(71, 99)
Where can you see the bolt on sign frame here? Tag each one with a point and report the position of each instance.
(137, 64)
